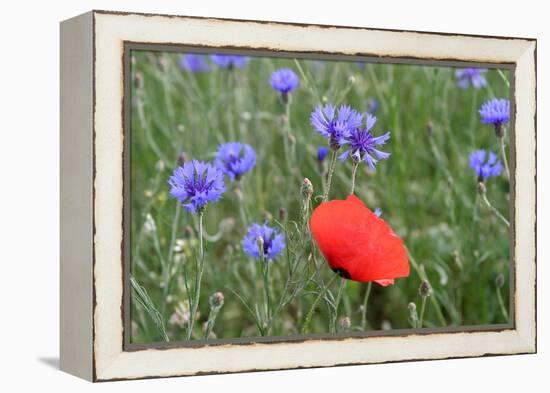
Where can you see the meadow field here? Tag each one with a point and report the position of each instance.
(230, 157)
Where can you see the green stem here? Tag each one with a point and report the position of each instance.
(501, 304)
(211, 321)
(365, 302)
(503, 152)
(265, 271)
(422, 309)
(422, 274)
(353, 173)
(494, 210)
(329, 175)
(343, 282)
(200, 271)
(309, 315)
(167, 272)
(142, 298)
(504, 78)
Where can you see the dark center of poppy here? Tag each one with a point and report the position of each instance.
(342, 273)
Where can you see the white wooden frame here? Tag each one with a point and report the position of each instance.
(92, 143)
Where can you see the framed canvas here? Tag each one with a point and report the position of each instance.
(245, 195)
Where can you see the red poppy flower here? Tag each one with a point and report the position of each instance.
(357, 244)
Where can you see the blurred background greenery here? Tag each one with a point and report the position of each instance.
(426, 191)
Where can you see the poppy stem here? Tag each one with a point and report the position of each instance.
(309, 315)
(329, 175)
(364, 309)
(198, 279)
(341, 288)
(353, 173)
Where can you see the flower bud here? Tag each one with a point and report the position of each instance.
(260, 242)
(430, 128)
(267, 216)
(282, 213)
(345, 323)
(413, 315)
(183, 158)
(159, 166)
(425, 289)
(246, 116)
(216, 300)
(385, 325)
(500, 280)
(481, 189)
(227, 225)
(138, 80)
(188, 231)
(149, 225)
(307, 188)
(163, 63)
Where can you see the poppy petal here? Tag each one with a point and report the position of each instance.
(357, 243)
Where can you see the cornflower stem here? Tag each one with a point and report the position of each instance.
(211, 321)
(365, 303)
(353, 173)
(341, 288)
(422, 274)
(198, 279)
(422, 309)
(494, 209)
(290, 151)
(329, 175)
(309, 315)
(306, 201)
(501, 304)
(265, 272)
(503, 152)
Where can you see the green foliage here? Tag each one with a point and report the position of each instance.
(426, 191)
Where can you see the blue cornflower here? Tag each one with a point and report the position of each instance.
(378, 212)
(229, 61)
(470, 76)
(372, 105)
(495, 111)
(195, 184)
(322, 152)
(335, 124)
(485, 168)
(362, 144)
(284, 80)
(235, 159)
(194, 63)
(272, 239)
